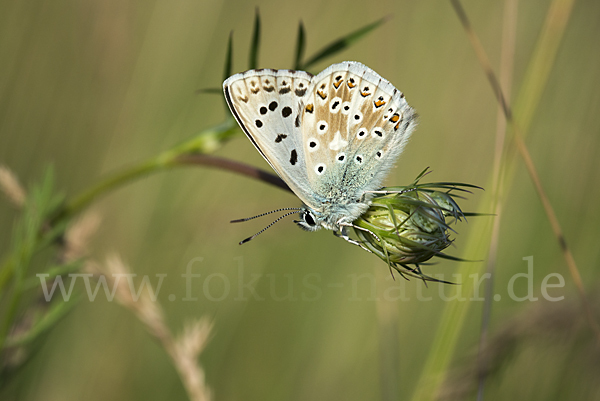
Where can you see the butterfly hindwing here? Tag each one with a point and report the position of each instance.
(266, 104)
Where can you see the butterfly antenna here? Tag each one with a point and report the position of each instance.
(296, 209)
(267, 227)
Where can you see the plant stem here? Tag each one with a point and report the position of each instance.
(206, 142)
(82, 200)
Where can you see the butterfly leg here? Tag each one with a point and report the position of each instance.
(362, 229)
(390, 192)
(343, 233)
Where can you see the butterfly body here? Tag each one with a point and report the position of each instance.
(332, 137)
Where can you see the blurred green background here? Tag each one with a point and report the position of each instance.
(92, 86)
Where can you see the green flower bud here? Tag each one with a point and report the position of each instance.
(406, 226)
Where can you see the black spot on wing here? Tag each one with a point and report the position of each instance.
(237, 117)
(293, 157)
(280, 137)
(286, 111)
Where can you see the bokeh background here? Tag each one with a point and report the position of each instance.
(93, 86)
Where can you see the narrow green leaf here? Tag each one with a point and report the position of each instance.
(44, 323)
(473, 214)
(342, 43)
(227, 70)
(455, 258)
(226, 74)
(253, 61)
(26, 239)
(53, 272)
(229, 58)
(450, 185)
(300, 44)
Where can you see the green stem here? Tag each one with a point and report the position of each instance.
(207, 142)
(85, 198)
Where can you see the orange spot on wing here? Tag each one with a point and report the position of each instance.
(310, 108)
(395, 118)
(322, 94)
(351, 85)
(379, 103)
(338, 83)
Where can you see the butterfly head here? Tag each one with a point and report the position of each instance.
(332, 216)
(309, 219)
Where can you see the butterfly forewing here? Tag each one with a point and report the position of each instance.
(266, 104)
(354, 126)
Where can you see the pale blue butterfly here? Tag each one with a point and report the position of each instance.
(332, 137)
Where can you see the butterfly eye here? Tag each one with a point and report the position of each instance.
(309, 219)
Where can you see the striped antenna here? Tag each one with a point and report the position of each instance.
(296, 209)
(267, 227)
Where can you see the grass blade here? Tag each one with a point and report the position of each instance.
(507, 55)
(342, 43)
(227, 69)
(255, 45)
(228, 58)
(454, 314)
(300, 45)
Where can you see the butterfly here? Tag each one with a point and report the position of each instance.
(332, 137)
